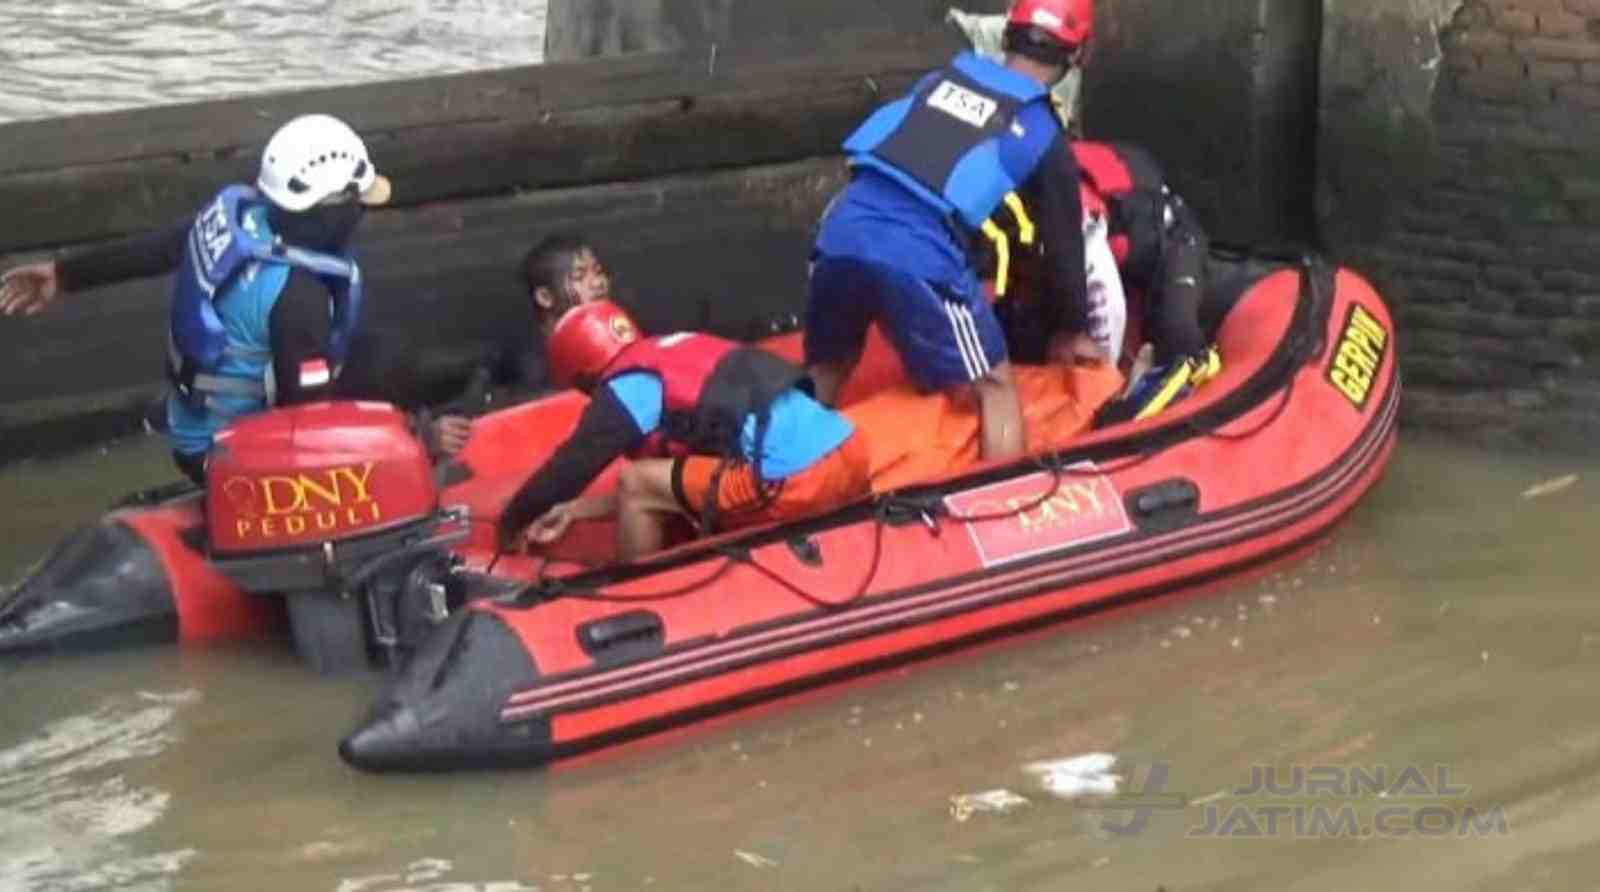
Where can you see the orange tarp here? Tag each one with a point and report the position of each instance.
(916, 437)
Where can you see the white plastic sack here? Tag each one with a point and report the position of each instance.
(1108, 303)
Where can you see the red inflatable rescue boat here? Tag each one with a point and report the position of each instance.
(1254, 465)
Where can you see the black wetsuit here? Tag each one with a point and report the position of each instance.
(605, 431)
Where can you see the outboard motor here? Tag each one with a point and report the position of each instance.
(334, 506)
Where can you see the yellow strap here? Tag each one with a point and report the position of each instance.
(1208, 366)
(1169, 391)
(1002, 253)
(1024, 222)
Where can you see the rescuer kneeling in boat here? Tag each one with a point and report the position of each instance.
(717, 430)
(1157, 241)
(267, 303)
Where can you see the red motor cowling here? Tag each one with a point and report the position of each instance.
(323, 472)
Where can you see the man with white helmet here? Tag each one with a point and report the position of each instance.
(267, 301)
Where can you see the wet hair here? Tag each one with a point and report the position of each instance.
(547, 264)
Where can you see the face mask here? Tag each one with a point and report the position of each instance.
(326, 227)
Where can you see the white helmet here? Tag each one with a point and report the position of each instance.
(314, 157)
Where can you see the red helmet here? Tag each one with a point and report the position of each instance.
(1071, 22)
(587, 339)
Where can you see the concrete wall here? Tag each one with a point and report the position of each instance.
(1459, 165)
(1223, 91)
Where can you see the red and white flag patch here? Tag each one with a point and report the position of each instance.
(314, 373)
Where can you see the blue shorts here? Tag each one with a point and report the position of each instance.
(946, 335)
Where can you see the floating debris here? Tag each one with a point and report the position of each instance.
(1205, 800)
(1101, 861)
(327, 850)
(754, 860)
(996, 802)
(1549, 487)
(187, 695)
(425, 870)
(1074, 776)
(1268, 599)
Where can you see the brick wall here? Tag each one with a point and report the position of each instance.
(1489, 242)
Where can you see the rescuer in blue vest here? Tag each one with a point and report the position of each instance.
(267, 301)
(901, 243)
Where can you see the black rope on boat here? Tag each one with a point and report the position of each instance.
(1272, 418)
(879, 521)
(499, 548)
(546, 588)
(1050, 464)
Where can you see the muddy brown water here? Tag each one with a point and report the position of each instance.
(1444, 642)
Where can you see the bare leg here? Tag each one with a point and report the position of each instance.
(1001, 413)
(644, 502)
(830, 377)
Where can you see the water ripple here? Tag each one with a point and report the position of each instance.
(80, 56)
(65, 807)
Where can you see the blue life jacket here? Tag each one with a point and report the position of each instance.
(219, 345)
(942, 141)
